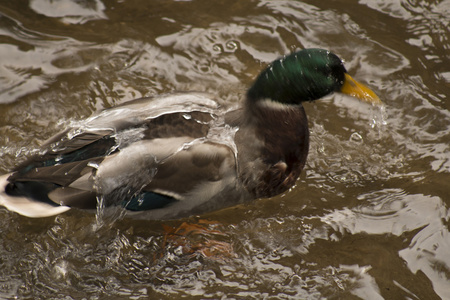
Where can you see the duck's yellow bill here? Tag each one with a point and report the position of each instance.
(358, 90)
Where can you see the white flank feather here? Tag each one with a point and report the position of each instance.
(27, 207)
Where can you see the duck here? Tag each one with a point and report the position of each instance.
(181, 154)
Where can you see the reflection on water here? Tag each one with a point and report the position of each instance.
(75, 12)
(369, 217)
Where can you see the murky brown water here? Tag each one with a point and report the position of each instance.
(369, 218)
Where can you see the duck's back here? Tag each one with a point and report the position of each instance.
(167, 156)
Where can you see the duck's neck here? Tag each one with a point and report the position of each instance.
(279, 148)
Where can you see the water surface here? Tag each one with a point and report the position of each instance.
(369, 217)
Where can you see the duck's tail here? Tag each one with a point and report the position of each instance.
(25, 206)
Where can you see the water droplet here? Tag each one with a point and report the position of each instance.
(321, 148)
(232, 46)
(204, 68)
(356, 137)
(383, 115)
(93, 165)
(218, 48)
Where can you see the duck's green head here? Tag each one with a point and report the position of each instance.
(307, 75)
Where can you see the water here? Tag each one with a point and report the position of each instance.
(369, 217)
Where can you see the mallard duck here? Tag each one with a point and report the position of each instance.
(181, 154)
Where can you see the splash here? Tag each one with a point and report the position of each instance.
(379, 117)
(121, 176)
